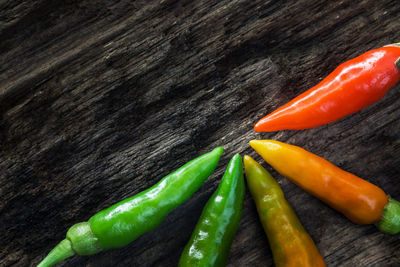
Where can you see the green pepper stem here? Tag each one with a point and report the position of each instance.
(397, 63)
(390, 220)
(62, 251)
(394, 44)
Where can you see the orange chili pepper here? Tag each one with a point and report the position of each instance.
(352, 86)
(290, 243)
(359, 200)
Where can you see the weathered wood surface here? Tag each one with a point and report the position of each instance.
(100, 99)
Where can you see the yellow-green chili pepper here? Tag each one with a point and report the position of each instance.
(212, 238)
(125, 221)
(290, 243)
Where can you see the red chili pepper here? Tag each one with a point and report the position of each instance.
(352, 86)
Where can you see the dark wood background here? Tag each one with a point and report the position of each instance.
(99, 99)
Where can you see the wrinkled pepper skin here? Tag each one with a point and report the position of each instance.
(352, 86)
(290, 243)
(125, 221)
(213, 235)
(357, 199)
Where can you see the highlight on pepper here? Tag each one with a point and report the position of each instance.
(351, 87)
(360, 201)
(289, 241)
(219, 221)
(125, 221)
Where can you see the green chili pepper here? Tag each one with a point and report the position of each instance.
(210, 242)
(125, 221)
(290, 243)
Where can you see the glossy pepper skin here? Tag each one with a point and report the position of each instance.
(212, 237)
(352, 86)
(357, 199)
(290, 243)
(125, 221)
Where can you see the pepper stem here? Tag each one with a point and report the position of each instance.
(390, 220)
(395, 44)
(62, 251)
(397, 63)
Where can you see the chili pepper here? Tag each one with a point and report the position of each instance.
(212, 237)
(125, 221)
(352, 86)
(359, 200)
(290, 243)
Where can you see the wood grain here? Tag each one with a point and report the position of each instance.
(99, 99)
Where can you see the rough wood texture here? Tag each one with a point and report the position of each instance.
(99, 99)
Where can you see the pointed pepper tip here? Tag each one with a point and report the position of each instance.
(219, 150)
(237, 156)
(257, 127)
(256, 143)
(267, 124)
(248, 161)
(246, 158)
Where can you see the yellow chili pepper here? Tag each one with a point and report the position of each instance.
(290, 243)
(359, 200)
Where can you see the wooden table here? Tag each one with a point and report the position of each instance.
(99, 99)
